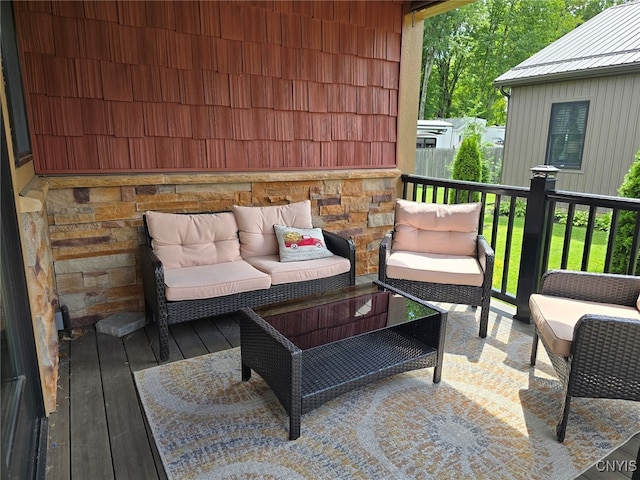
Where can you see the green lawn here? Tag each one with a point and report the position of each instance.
(596, 256)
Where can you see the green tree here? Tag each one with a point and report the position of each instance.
(509, 32)
(435, 41)
(445, 48)
(630, 188)
(467, 166)
(483, 40)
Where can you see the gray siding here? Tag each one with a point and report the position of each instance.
(612, 135)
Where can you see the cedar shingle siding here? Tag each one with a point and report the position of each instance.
(209, 86)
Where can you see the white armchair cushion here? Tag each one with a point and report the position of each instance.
(255, 225)
(206, 281)
(435, 228)
(181, 240)
(435, 268)
(556, 318)
(300, 271)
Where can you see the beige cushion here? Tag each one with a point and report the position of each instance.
(255, 225)
(190, 283)
(435, 268)
(193, 240)
(289, 272)
(435, 228)
(296, 244)
(556, 318)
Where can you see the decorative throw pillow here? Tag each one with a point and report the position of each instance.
(300, 243)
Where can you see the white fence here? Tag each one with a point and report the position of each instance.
(437, 162)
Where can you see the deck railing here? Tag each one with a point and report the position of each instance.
(532, 229)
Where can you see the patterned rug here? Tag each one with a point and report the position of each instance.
(491, 416)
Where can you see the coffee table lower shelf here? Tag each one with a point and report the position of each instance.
(305, 379)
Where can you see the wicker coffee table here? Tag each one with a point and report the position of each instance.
(315, 348)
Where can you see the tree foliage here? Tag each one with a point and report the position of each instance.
(464, 50)
(467, 166)
(630, 188)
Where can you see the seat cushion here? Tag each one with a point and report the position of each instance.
(435, 228)
(300, 271)
(181, 240)
(556, 317)
(191, 283)
(255, 225)
(435, 268)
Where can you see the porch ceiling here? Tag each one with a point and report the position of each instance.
(429, 8)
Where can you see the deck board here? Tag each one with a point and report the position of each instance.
(229, 328)
(59, 441)
(139, 350)
(188, 341)
(130, 446)
(89, 431)
(210, 335)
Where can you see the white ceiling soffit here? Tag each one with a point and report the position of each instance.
(429, 8)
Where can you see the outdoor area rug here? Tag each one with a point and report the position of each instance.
(491, 416)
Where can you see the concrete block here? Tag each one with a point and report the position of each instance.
(121, 324)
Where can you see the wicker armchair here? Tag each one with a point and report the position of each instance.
(435, 268)
(589, 324)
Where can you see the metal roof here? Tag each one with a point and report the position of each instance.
(607, 44)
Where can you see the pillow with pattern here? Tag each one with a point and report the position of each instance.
(296, 244)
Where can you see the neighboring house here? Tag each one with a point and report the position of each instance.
(576, 105)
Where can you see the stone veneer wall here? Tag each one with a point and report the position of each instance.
(95, 222)
(42, 288)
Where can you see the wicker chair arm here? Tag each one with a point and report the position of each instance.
(606, 355)
(383, 254)
(343, 247)
(153, 278)
(593, 287)
(486, 256)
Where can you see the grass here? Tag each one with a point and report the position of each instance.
(574, 261)
(576, 245)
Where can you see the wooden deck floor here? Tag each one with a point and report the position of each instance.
(99, 431)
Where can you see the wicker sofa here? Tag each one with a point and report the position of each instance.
(589, 324)
(201, 265)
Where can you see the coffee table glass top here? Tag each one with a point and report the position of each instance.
(335, 315)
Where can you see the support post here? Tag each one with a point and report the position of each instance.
(543, 180)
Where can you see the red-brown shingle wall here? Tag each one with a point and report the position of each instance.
(121, 86)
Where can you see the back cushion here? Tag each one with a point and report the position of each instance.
(193, 240)
(434, 228)
(255, 225)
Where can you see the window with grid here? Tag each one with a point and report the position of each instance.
(566, 134)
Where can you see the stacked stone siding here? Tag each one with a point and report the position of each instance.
(43, 300)
(95, 223)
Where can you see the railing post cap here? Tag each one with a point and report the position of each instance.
(544, 171)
